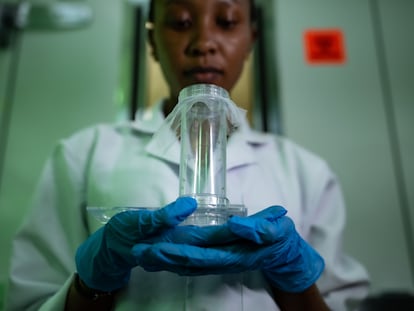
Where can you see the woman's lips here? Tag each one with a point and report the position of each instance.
(204, 74)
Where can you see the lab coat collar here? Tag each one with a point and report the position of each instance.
(240, 147)
(150, 119)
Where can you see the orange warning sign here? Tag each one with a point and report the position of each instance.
(324, 46)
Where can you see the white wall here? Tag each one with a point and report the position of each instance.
(342, 113)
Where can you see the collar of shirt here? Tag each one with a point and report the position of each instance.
(240, 145)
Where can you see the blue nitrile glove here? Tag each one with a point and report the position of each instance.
(294, 265)
(265, 241)
(104, 261)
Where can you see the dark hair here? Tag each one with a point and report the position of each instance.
(252, 11)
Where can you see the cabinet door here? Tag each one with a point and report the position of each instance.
(338, 112)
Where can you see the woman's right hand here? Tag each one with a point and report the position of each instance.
(104, 261)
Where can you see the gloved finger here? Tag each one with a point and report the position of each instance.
(270, 213)
(193, 260)
(195, 235)
(174, 213)
(266, 227)
(140, 224)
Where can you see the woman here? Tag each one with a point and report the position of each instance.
(143, 260)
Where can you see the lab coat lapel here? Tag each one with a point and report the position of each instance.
(166, 146)
(240, 148)
(238, 152)
(164, 143)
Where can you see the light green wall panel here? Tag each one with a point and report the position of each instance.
(65, 81)
(398, 23)
(6, 56)
(338, 112)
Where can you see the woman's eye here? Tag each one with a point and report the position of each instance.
(180, 24)
(227, 23)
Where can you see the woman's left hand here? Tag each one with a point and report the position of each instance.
(266, 241)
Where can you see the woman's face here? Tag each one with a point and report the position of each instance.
(201, 41)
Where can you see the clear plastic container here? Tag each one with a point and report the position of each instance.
(205, 116)
(204, 131)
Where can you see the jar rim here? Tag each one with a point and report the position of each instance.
(203, 89)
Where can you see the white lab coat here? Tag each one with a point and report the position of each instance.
(121, 165)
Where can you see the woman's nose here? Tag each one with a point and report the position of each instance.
(203, 42)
